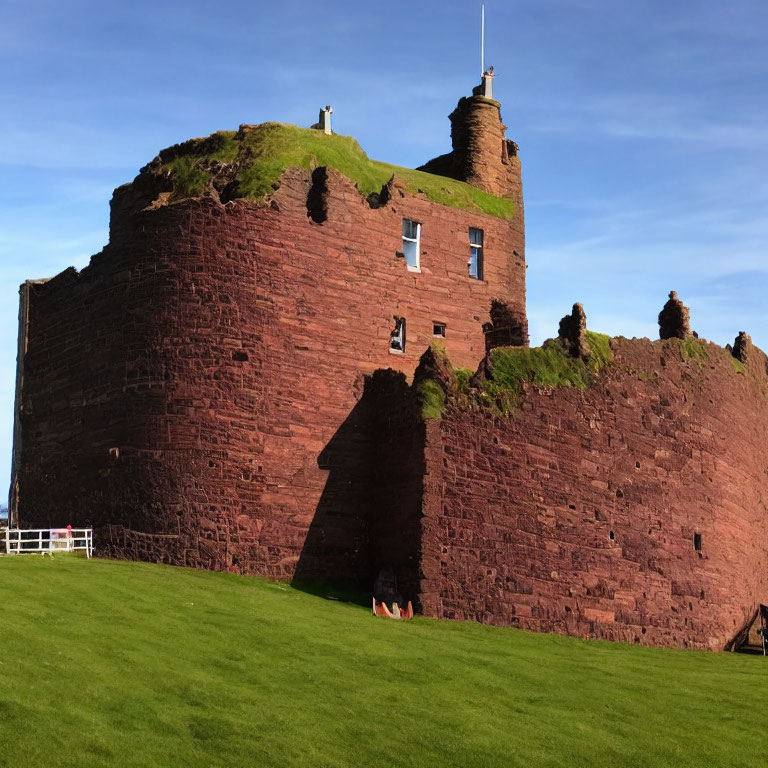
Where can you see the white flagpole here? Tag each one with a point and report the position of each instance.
(482, 38)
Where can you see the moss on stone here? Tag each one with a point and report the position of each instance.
(600, 344)
(737, 365)
(432, 399)
(692, 348)
(256, 156)
(188, 178)
(438, 347)
(463, 375)
(546, 366)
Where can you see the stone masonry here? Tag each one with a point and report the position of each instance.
(633, 511)
(218, 389)
(197, 392)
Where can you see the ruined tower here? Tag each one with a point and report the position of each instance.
(201, 392)
(482, 154)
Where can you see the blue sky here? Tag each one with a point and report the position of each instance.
(642, 128)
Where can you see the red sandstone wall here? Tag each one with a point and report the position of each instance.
(519, 510)
(481, 150)
(482, 155)
(198, 394)
(194, 393)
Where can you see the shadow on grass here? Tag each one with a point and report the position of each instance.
(337, 592)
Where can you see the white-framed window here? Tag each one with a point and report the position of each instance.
(411, 237)
(397, 337)
(438, 330)
(475, 253)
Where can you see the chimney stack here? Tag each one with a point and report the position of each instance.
(324, 121)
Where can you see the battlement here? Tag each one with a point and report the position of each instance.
(620, 496)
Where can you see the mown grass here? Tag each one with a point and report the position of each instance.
(125, 664)
(266, 150)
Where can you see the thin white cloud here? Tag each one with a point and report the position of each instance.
(654, 117)
(46, 257)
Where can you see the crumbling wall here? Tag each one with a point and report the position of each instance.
(185, 392)
(632, 511)
(482, 155)
(674, 319)
(507, 327)
(572, 333)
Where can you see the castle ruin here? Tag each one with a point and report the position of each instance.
(226, 386)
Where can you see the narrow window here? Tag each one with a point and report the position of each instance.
(397, 337)
(411, 236)
(697, 542)
(438, 329)
(476, 253)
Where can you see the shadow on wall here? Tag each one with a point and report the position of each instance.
(368, 515)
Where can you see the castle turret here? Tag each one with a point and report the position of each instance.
(482, 155)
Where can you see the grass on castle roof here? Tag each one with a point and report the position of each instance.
(266, 150)
(127, 664)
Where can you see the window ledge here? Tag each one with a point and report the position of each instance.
(396, 351)
(413, 269)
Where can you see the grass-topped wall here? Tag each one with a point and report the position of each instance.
(547, 366)
(253, 158)
(507, 369)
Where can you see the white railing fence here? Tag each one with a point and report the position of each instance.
(19, 541)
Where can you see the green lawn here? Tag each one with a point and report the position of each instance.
(124, 664)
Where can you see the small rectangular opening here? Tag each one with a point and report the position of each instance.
(397, 337)
(697, 542)
(438, 330)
